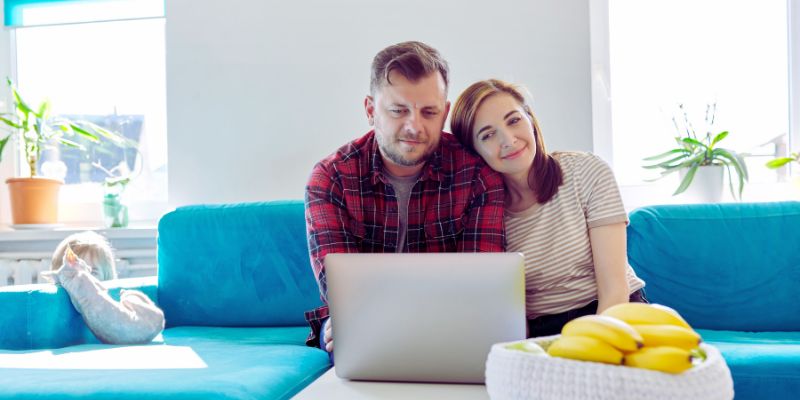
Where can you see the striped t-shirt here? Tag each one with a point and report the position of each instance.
(554, 237)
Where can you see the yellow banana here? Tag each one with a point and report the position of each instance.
(646, 314)
(608, 329)
(660, 358)
(668, 335)
(585, 349)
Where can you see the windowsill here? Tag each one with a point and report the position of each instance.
(640, 195)
(144, 231)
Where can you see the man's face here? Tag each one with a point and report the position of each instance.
(408, 118)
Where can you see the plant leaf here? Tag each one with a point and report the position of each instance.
(70, 143)
(20, 103)
(44, 109)
(732, 159)
(694, 142)
(743, 164)
(10, 123)
(83, 132)
(666, 164)
(730, 183)
(719, 137)
(662, 155)
(778, 162)
(3, 144)
(687, 180)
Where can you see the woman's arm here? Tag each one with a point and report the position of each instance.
(609, 252)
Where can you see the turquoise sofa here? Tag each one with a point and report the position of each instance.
(733, 271)
(233, 282)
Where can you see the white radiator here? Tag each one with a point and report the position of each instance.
(25, 254)
(22, 272)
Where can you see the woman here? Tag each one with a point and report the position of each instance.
(563, 210)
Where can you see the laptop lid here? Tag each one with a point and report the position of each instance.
(428, 317)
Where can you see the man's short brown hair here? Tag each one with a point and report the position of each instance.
(413, 60)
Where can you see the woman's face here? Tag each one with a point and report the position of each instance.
(503, 135)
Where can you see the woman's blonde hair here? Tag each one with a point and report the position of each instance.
(90, 247)
(545, 176)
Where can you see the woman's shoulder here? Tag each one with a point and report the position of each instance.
(578, 160)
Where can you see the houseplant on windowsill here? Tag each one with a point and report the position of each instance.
(115, 213)
(694, 157)
(34, 199)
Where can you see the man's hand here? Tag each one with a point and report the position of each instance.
(328, 336)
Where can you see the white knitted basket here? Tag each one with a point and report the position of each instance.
(514, 374)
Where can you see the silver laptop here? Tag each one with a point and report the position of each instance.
(423, 317)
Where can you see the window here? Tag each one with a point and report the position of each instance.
(111, 73)
(697, 53)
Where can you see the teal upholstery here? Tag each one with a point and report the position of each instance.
(259, 248)
(733, 271)
(218, 363)
(234, 281)
(764, 365)
(41, 316)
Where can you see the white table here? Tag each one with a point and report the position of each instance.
(331, 387)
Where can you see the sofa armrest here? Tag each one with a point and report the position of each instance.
(41, 316)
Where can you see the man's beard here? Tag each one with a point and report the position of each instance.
(396, 156)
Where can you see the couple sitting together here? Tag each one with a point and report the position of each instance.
(490, 186)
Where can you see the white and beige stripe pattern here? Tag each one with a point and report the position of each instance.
(554, 237)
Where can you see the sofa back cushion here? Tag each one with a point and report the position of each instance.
(235, 265)
(41, 316)
(722, 266)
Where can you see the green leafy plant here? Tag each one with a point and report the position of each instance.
(781, 161)
(117, 178)
(692, 152)
(36, 129)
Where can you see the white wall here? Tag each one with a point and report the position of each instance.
(258, 91)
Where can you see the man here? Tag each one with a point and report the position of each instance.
(405, 186)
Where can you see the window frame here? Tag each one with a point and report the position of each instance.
(636, 195)
(73, 213)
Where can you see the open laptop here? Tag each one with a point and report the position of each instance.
(423, 317)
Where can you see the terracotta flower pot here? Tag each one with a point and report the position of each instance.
(34, 200)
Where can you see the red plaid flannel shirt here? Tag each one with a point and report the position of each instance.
(456, 206)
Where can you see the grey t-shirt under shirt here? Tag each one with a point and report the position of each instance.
(402, 186)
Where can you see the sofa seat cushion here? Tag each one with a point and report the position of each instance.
(764, 365)
(191, 363)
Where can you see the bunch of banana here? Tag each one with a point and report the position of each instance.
(596, 338)
(669, 341)
(639, 335)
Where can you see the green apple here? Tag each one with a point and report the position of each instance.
(527, 347)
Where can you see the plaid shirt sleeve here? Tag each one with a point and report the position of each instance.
(328, 226)
(484, 230)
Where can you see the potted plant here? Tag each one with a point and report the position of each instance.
(696, 156)
(34, 199)
(116, 181)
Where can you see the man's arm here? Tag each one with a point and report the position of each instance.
(328, 226)
(484, 230)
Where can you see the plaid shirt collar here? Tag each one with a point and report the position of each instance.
(431, 170)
